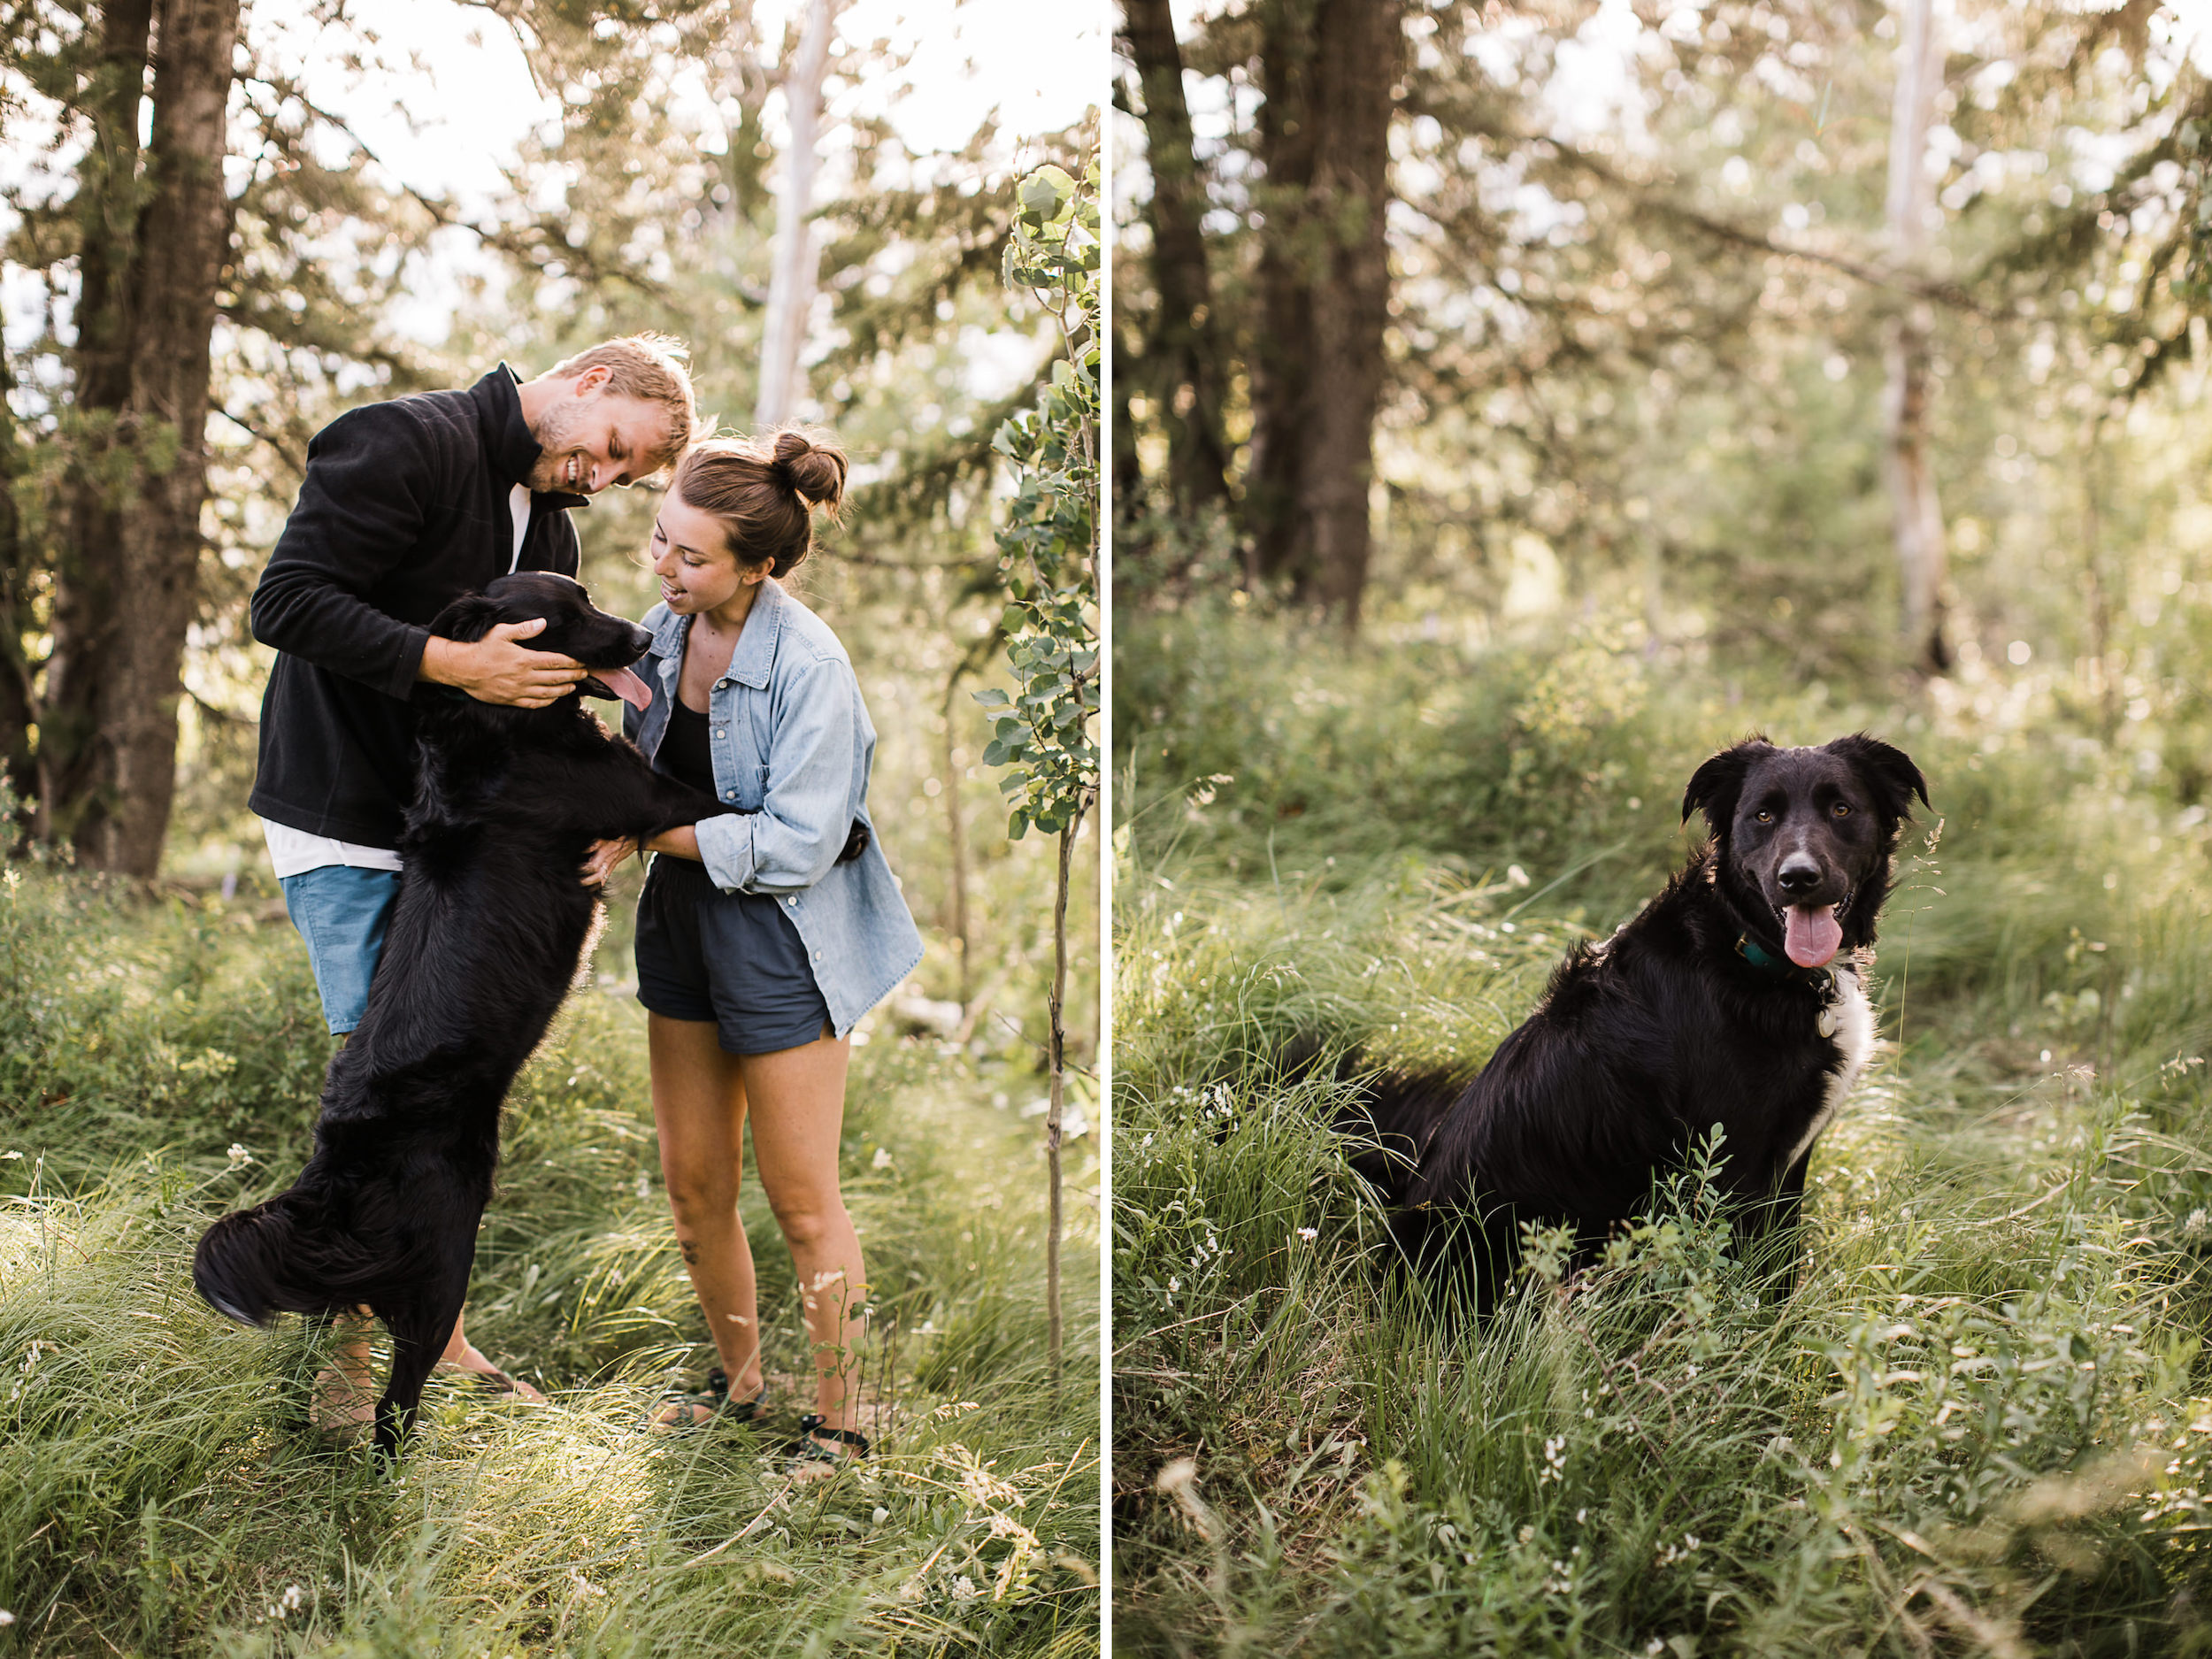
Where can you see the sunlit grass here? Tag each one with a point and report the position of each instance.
(1981, 1424)
(154, 1495)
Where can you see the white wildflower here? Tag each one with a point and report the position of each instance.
(1683, 1551)
(1555, 1460)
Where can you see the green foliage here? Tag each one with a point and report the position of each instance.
(1048, 542)
(2002, 1405)
(1982, 1423)
(1637, 367)
(161, 1065)
(1262, 750)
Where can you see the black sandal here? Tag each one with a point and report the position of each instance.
(807, 1449)
(713, 1397)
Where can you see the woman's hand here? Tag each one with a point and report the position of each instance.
(683, 840)
(605, 857)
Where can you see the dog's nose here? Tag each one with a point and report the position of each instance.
(1798, 872)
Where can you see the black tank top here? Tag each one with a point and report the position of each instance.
(683, 752)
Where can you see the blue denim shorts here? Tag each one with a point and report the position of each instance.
(732, 958)
(341, 911)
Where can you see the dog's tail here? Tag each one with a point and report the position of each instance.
(252, 1265)
(1392, 1115)
(1388, 1114)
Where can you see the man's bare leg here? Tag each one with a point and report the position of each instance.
(345, 1390)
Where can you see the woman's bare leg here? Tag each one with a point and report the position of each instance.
(796, 1097)
(699, 1104)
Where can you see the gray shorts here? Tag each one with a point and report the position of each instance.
(733, 959)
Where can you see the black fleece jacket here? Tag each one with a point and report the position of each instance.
(405, 509)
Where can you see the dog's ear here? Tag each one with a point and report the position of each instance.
(468, 618)
(1715, 785)
(1888, 770)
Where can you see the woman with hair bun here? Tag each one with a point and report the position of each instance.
(765, 934)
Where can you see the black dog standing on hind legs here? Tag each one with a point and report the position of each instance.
(1723, 1004)
(485, 937)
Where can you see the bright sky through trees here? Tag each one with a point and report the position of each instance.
(449, 94)
(451, 122)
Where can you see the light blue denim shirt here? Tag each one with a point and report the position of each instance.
(792, 743)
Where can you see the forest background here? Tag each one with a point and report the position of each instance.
(224, 225)
(1516, 403)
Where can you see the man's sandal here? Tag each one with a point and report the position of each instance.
(711, 1397)
(807, 1449)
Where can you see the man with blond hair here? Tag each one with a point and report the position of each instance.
(407, 505)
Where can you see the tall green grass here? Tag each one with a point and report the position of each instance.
(160, 1064)
(1982, 1422)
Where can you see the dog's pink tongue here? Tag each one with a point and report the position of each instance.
(626, 685)
(1812, 934)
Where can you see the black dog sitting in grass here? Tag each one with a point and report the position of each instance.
(483, 944)
(1729, 1003)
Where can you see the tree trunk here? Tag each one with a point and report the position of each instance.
(2104, 681)
(1360, 50)
(1915, 513)
(791, 284)
(72, 746)
(956, 841)
(1329, 74)
(1182, 369)
(18, 707)
(1129, 496)
(1281, 545)
(118, 663)
(1056, 1055)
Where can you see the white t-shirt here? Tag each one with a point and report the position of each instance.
(294, 852)
(519, 509)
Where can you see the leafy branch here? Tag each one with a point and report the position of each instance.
(1048, 565)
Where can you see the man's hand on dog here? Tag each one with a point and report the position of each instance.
(605, 856)
(496, 669)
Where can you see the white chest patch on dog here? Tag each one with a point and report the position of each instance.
(1846, 1021)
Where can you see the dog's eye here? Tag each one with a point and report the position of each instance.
(1840, 810)
(1765, 816)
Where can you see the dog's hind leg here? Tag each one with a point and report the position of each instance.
(414, 1351)
(1769, 1235)
(1466, 1261)
(419, 1330)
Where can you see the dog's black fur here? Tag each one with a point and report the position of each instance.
(483, 943)
(1692, 1017)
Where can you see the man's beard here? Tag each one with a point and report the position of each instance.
(556, 432)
